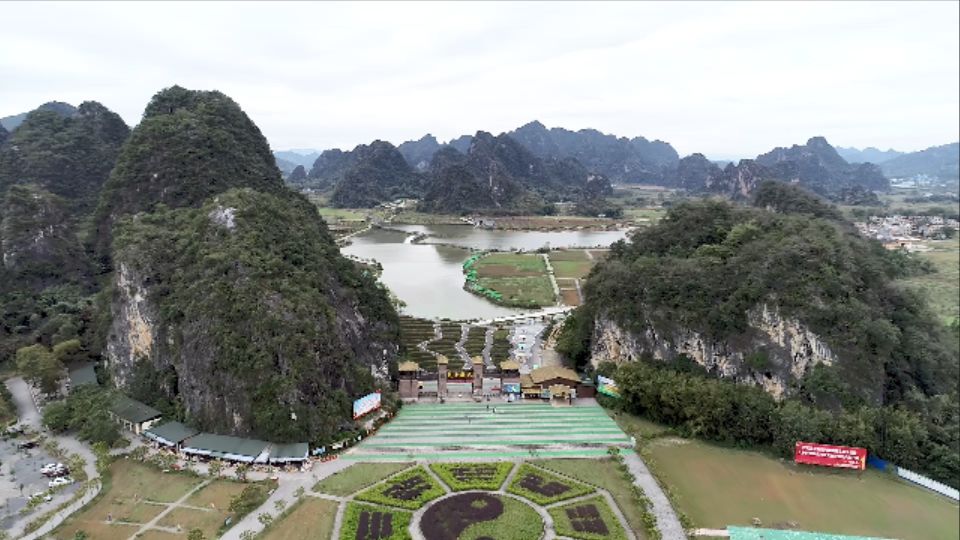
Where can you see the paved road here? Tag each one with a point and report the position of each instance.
(667, 520)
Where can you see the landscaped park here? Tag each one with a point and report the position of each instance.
(138, 499)
(502, 500)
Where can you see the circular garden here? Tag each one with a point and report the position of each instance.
(479, 501)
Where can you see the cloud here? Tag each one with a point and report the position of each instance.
(726, 79)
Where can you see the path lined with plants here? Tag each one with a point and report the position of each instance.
(667, 520)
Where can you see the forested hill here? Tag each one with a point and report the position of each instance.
(498, 175)
(815, 165)
(938, 161)
(51, 170)
(11, 123)
(718, 271)
(495, 174)
(618, 158)
(229, 304)
(786, 297)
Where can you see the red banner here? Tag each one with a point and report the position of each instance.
(827, 455)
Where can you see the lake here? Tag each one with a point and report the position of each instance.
(429, 278)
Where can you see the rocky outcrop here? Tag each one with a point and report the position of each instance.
(774, 353)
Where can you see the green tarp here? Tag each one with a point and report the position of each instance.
(753, 533)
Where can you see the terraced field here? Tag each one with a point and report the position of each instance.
(414, 331)
(449, 336)
(469, 431)
(476, 341)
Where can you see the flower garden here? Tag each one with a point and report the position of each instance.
(499, 500)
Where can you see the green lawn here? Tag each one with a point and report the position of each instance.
(602, 473)
(637, 426)
(716, 487)
(942, 287)
(308, 519)
(357, 477)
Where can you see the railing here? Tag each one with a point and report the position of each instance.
(932, 485)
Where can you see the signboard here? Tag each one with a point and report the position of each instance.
(607, 386)
(511, 388)
(367, 403)
(844, 457)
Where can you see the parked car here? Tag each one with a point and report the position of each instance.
(61, 481)
(54, 469)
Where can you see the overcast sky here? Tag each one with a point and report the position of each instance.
(725, 79)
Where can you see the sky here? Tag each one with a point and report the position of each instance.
(725, 79)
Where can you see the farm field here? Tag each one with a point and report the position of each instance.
(521, 278)
(716, 487)
(570, 263)
(942, 287)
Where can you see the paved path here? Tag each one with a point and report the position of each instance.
(153, 522)
(667, 520)
(286, 490)
(553, 279)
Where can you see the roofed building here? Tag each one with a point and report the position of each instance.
(226, 447)
(170, 434)
(133, 415)
(289, 453)
(554, 381)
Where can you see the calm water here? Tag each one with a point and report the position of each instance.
(476, 238)
(429, 277)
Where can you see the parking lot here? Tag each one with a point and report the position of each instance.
(20, 477)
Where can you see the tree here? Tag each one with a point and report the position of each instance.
(40, 367)
(80, 535)
(56, 416)
(68, 351)
(241, 472)
(265, 519)
(214, 468)
(195, 534)
(279, 505)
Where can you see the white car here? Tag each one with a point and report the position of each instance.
(45, 496)
(62, 481)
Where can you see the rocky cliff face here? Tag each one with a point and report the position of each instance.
(230, 305)
(788, 349)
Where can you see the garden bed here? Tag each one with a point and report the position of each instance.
(545, 488)
(365, 522)
(481, 516)
(410, 490)
(468, 476)
(591, 519)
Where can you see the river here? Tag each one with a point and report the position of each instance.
(428, 276)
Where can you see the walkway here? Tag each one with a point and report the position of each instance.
(152, 524)
(288, 483)
(667, 521)
(553, 279)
